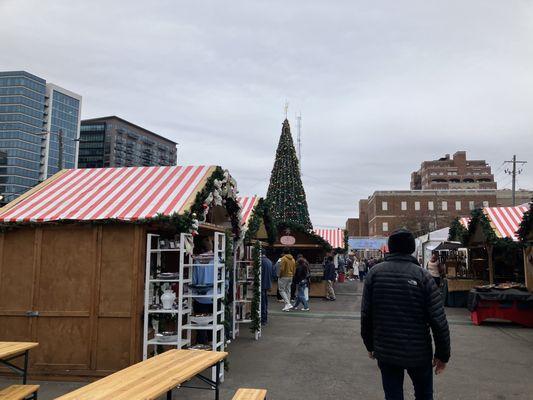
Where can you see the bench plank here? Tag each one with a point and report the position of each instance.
(11, 348)
(250, 394)
(17, 392)
(150, 378)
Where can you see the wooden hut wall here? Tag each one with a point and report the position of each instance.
(86, 284)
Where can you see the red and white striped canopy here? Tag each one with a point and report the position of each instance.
(111, 193)
(506, 220)
(335, 237)
(464, 221)
(247, 207)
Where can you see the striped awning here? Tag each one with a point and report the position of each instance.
(110, 193)
(335, 237)
(464, 221)
(506, 220)
(247, 207)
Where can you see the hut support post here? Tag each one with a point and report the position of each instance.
(528, 266)
(491, 263)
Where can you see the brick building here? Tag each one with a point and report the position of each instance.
(352, 226)
(418, 210)
(453, 173)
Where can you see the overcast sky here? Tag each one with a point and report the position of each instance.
(381, 85)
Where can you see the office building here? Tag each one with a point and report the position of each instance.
(453, 173)
(115, 142)
(39, 125)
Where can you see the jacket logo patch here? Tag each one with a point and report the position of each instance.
(412, 282)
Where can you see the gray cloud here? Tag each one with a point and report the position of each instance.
(381, 86)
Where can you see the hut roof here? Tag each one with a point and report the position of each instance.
(335, 237)
(128, 194)
(247, 204)
(506, 220)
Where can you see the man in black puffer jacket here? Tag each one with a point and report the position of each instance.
(401, 303)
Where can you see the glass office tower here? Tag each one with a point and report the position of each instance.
(36, 120)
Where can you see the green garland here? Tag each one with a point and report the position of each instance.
(261, 213)
(526, 226)
(457, 231)
(478, 217)
(179, 222)
(255, 325)
(232, 205)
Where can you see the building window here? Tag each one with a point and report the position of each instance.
(385, 226)
(444, 206)
(384, 206)
(431, 206)
(458, 205)
(485, 203)
(417, 205)
(404, 205)
(471, 205)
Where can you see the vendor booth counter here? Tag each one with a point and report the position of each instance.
(515, 305)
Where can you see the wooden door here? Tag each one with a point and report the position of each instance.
(17, 258)
(63, 298)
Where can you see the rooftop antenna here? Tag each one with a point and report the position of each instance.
(299, 138)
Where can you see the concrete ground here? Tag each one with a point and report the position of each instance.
(319, 356)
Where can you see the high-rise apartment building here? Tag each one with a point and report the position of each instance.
(115, 142)
(39, 125)
(453, 173)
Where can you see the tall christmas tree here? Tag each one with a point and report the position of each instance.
(286, 195)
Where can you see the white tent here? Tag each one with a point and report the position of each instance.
(426, 243)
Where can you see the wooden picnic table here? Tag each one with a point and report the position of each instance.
(12, 350)
(154, 377)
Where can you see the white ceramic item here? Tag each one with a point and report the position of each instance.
(167, 299)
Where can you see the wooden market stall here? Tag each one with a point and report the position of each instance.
(73, 253)
(494, 254)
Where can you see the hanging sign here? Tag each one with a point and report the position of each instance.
(287, 240)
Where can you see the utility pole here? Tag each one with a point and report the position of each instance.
(60, 147)
(513, 173)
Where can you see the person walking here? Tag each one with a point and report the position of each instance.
(286, 273)
(267, 274)
(329, 277)
(401, 304)
(355, 267)
(301, 280)
(434, 268)
(362, 269)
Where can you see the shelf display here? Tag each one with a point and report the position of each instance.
(243, 291)
(161, 308)
(202, 285)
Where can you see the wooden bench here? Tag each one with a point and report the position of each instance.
(19, 392)
(250, 394)
(154, 377)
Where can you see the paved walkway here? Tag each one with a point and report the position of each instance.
(319, 356)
